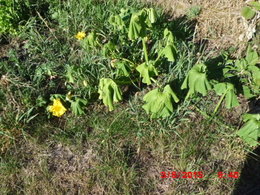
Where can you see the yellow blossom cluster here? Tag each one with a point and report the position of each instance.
(57, 108)
(80, 35)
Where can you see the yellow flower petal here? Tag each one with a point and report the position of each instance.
(57, 108)
(80, 35)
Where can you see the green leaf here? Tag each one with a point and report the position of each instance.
(250, 131)
(256, 77)
(247, 92)
(137, 26)
(109, 92)
(220, 88)
(228, 90)
(122, 68)
(255, 71)
(168, 36)
(241, 65)
(117, 22)
(169, 52)
(152, 15)
(255, 5)
(248, 13)
(147, 71)
(158, 103)
(229, 71)
(196, 80)
(76, 106)
(251, 56)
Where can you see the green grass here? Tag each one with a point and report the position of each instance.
(101, 152)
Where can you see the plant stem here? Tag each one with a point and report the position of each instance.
(219, 103)
(145, 50)
(156, 82)
(158, 57)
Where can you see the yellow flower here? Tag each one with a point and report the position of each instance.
(80, 35)
(57, 108)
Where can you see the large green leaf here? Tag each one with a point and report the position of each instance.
(250, 132)
(248, 12)
(109, 92)
(137, 26)
(169, 52)
(159, 104)
(140, 22)
(196, 80)
(228, 90)
(147, 71)
(251, 56)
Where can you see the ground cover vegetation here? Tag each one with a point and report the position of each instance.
(100, 97)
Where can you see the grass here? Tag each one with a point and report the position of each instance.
(101, 152)
(123, 152)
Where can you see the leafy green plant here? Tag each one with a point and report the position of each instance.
(134, 47)
(136, 26)
(169, 51)
(197, 81)
(109, 92)
(159, 103)
(77, 105)
(147, 71)
(250, 132)
(247, 71)
(227, 90)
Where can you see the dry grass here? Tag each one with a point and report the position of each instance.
(219, 22)
(112, 159)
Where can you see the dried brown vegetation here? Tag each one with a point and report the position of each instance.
(219, 22)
